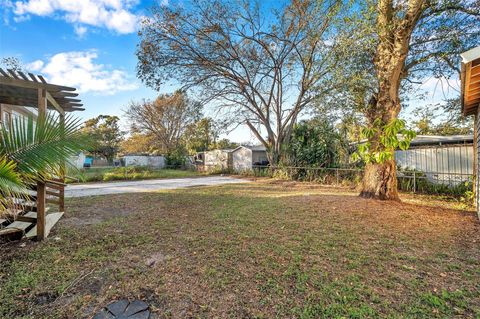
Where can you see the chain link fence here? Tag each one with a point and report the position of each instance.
(438, 183)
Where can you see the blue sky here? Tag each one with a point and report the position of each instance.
(90, 44)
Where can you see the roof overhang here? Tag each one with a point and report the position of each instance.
(470, 78)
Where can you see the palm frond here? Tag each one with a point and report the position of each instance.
(11, 184)
(40, 148)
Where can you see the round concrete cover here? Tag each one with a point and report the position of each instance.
(124, 309)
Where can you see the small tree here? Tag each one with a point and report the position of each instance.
(138, 143)
(316, 143)
(201, 135)
(106, 135)
(260, 67)
(166, 118)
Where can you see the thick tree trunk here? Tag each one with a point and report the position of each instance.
(380, 181)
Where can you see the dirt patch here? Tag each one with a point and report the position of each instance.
(81, 218)
(155, 259)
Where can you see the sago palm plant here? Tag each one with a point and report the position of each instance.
(34, 150)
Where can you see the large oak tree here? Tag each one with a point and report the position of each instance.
(261, 66)
(390, 47)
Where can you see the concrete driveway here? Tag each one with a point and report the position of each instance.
(151, 185)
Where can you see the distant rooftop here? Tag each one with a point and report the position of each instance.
(438, 139)
(435, 140)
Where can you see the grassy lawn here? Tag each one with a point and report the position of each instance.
(106, 174)
(259, 250)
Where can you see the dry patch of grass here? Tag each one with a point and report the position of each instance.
(257, 250)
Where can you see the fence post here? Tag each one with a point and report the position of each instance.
(414, 181)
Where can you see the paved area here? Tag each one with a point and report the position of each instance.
(152, 185)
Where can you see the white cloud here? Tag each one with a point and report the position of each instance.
(80, 30)
(77, 69)
(114, 15)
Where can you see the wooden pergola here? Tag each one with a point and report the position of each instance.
(28, 90)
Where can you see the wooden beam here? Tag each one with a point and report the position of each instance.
(12, 73)
(465, 85)
(23, 76)
(42, 102)
(42, 79)
(32, 76)
(33, 85)
(55, 104)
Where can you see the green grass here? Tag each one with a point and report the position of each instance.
(127, 173)
(256, 250)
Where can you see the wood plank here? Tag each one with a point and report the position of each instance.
(30, 217)
(34, 85)
(42, 79)
(54, 182)
(57, 187)
(51, 193)
(32, 76)
(41, 218)
(23, 76)
(51, 220)
(4, 73)
(53, 201)
(21, 225)
(54, 103)
(12, 73)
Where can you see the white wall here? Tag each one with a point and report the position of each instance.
(242, 159)
(139, 160)
(446, 163)
(216, 159)
(77, 161)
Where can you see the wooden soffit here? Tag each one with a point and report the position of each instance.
(470, 78)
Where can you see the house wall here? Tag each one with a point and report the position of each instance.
(477, 161)
(10, 112)
(242, 159)
(143, 160)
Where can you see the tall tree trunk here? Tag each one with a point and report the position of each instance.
(380, 181)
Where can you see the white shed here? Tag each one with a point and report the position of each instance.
(77, 161)
(216, 159)
(144, 160)
(241, 159)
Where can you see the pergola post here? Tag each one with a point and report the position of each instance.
(41, 188)
(63, 168)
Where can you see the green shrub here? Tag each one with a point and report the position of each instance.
(176, 158)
